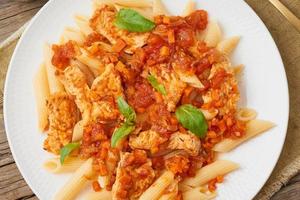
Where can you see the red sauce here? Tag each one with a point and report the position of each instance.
(93, 37)
(198, 19)
(63, 54)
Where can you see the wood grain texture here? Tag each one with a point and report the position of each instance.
(14, 13)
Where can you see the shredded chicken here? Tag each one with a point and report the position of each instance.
(172, 83)
(185, 141)
(134, 176)
(103, 22)
(62, 115)
(227, 93)
(75, 83)
(148, 140)
(107, 84)
(104, 110)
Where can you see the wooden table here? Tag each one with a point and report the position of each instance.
(14, 13)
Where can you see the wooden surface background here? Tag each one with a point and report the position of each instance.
(14, 13)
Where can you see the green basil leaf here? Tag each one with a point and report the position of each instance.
(192, 119)
(120, 133)
(159, 87)
(132, 21)
(66, 150)
(126, 110)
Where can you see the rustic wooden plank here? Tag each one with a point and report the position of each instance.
(15, 13)
(290, 192)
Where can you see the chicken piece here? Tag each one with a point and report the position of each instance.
(177, 164)
(134, 175)
(75, 83)
(103, 23)
(62, 115)
(104, 110)
(148, 140)
(185, 141)
(224, 88)
(107, 84)
(173, 85)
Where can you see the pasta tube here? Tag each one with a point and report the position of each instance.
(227, 46)
(77, 182)
(71, 164)
(157, 188)
(103, 195)
(254, 127)
(211, 171)
(42, 93)
(196, 194)
(54, 84)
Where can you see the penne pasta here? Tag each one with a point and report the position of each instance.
(71, 164)
(196, 194)
(170, 192)
(101, 45)
(77, 182)
(253, 128)
(159, 8)
(72, 34)
(213, 34)
(54, 84)
(77, 131)
(103, 195)
(87, 72)
(227, 46)
(183, 187)
(190, 79)
(157, 188)
(238, 69)
(83, 23)
(211, 171)
(95, 65)
(246, 114)
(189, 8)
(42, 93)
(168, 196)
(127, 3)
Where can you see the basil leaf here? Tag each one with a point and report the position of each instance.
(192, 119)
(132, 21)
(126, 110)
(121, 132)
(159, 87)
(66, 150)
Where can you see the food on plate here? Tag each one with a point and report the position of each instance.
(137, 103)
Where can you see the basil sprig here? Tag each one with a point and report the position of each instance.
(192, 119)
(66, 150)
(126, 110)
(124, 130)
(132, 21)
(128, 126)
(159, 87)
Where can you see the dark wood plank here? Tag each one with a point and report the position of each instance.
(15, 13)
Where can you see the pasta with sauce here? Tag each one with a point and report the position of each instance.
(137, 103)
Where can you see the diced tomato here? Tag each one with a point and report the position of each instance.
(119, 46)
(185, 37)
(62, 54)
(96, 186)
(198, 19)
(218, 79)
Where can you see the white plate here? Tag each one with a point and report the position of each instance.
(264, 86)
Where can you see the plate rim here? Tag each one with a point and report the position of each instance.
(32, 20)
